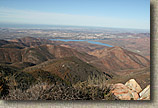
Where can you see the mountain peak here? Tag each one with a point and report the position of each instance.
(117, 48)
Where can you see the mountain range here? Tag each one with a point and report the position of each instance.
(72, 63)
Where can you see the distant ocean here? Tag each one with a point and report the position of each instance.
(44, 26)
(31, 26)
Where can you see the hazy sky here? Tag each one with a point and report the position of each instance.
(105, 13)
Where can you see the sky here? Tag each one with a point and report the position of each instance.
(101, 13)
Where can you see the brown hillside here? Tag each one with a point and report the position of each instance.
(30, 41)
(10, 55)
(40, 53)
(117, 58)
(60, 52)
(70, 69)
(33, 55)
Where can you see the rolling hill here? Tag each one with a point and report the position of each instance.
(117, 58)
(27, 63)
(70, 69)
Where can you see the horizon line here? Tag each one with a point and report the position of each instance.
(10, 23)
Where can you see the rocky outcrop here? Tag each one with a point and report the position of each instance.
(133, 85)
(145, 94)
(123, 92)
(131, 90)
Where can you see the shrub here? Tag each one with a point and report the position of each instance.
(4, 88)
(45, 91)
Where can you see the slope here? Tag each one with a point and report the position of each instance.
(117, 58)
(70, 69)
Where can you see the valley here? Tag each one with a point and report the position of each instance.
(71, 64)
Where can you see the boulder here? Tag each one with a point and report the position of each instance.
(145, 94)
(123, 92)
(133, 85)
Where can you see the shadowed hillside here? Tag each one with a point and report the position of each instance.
(70, 69)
